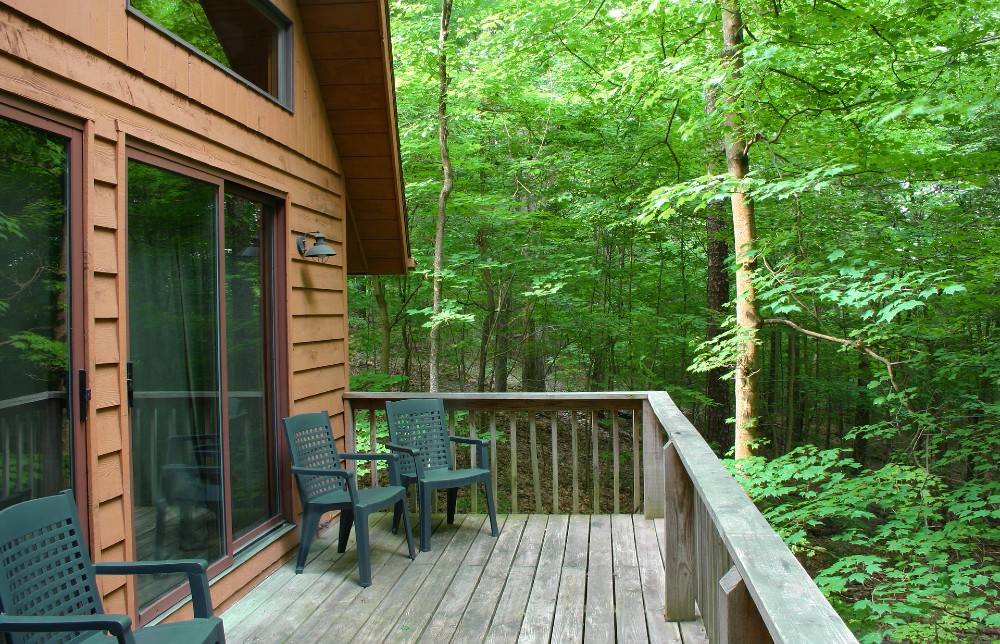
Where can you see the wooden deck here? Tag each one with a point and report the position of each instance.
(557, 578)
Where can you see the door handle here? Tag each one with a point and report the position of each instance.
(130, 384)
(84, 393)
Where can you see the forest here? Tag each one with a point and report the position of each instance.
(781, 212)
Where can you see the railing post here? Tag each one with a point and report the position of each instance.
(678, 539)
(652, 463)
(739, 619)
(350, 433)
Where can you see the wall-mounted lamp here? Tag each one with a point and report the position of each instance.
(320, 250)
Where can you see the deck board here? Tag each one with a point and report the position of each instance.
(546, 578)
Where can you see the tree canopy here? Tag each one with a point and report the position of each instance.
(588, 145)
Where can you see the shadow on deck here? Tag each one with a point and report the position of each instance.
(546, 578)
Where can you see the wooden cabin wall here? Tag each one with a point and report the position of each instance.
(127, 83)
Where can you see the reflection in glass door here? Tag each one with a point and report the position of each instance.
(174, 371)
(35, 429)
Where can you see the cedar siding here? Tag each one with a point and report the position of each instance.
(126, 85)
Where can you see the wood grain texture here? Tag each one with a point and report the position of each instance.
(536, 582)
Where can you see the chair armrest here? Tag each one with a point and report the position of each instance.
(315, 471)
(482, 456)
(373, 456)
(414, 454)
(195, 569)
(118, 625)
(469, 440)
(395, 447)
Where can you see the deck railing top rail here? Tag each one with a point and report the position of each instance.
(508, 401)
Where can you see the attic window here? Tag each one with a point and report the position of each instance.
(250, 38)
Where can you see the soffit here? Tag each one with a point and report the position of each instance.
(351, 53)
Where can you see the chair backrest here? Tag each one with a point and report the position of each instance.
(46, 569)
(419, 423)
(311, 443)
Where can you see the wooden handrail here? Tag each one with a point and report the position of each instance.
(726, 556)
(722, 560)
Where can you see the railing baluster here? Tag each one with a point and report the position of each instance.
(372, 447)
(616, 466)
(574, 427)
(535, 477)
(636, 471)
(20, 455)
(513, 461)
(472, 462)
(493, 452)
(5, 470)
(595, 474)
(555, 463)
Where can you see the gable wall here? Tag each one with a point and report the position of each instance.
(125, 83)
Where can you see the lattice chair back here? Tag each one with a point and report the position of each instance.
(46, 569)
(420, 424)
(311, 443)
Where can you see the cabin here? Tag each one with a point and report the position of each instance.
(182, 197)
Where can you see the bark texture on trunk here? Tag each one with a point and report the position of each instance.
(744, 237)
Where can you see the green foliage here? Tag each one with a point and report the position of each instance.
(45, 352)
(187, 20)
(371, 380)
(587, 157)
(899, 552)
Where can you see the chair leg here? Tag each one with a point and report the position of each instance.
(396, 512)
(364, 553)
(452, 503)
(347, 519)
(491, 508)
(307, 532)
(423, 495)
(401, 508)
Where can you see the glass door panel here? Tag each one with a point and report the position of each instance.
(247, 325)
(34, 313)
(174, 331)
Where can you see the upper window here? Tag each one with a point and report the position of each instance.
(250, 38)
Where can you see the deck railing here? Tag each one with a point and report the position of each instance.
(723, 562)
(32, 432)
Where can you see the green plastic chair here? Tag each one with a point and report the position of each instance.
(417, 430)
(324, 486)
(48, 589)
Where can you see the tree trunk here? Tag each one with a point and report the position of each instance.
(533, 365)
(501, 369)
(448, 182)
(791, 398)
(717, 288)
(385, 326)
(744, 239)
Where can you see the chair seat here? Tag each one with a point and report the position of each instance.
(451, 477)
(197, 630)
(377, 497)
